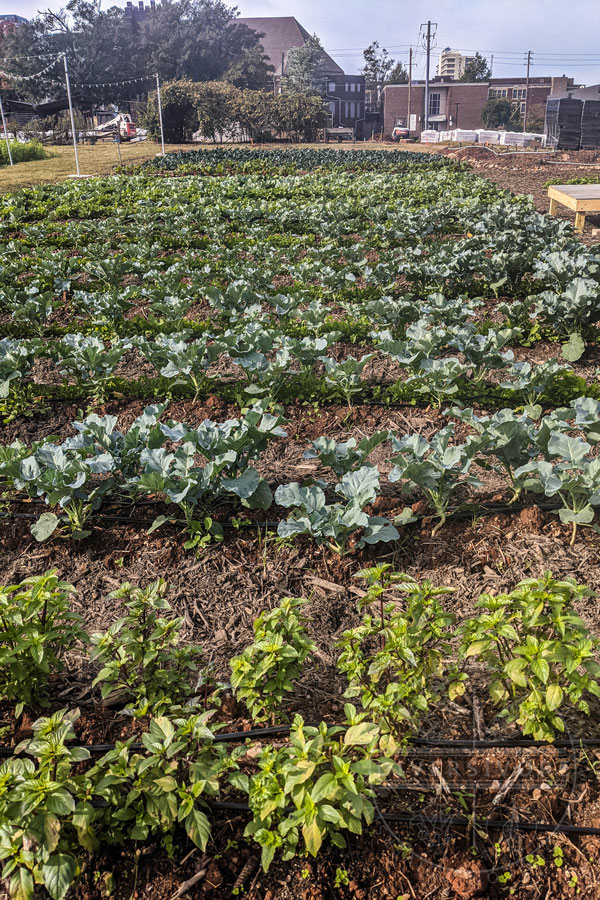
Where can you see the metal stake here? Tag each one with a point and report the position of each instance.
(162, 134)
(71, 114)
(10, 159)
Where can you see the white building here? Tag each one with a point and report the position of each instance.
(452, 64)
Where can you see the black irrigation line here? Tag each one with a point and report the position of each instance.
(428, 821)
(439, 743)
(457, 516)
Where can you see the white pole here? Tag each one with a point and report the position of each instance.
(162, 134)
(71, 112)
(10, 159)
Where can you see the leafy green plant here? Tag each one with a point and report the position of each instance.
(266, 670)
(44, 825)
(317, 786)
(347, 455)
(37, 628)
(436, 467)
(396, 657)
(140, 655)
(333, 524)
(345, 376)
(572, 476)
(152, 792)
(538, 652)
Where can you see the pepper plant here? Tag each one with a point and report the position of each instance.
(537, 651)
(266, 670)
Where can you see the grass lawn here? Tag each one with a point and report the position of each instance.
(99, 159)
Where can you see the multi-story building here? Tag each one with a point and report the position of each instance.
(10, 21)
(538, 90)
(452, 104)
(134, 16)
(458, 104)
(343, 95)
(452, 64)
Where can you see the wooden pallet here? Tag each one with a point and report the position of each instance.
(583, 198)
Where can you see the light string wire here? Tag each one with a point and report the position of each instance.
(16, 77)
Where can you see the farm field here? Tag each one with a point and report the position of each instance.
(332, 418)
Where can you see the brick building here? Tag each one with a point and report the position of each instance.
(343, 95)
(457, 104)
(452, 104)
(540, 88)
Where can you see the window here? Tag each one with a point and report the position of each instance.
(347, 87)
(331, 87)
(519, 93)
(346, 110)
(491, 93)
(434, 104)
(353, 110)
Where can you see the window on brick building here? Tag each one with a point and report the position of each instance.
(434, 104)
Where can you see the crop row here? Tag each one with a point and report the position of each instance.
(58, 807)
(198, 469)
(244, 161)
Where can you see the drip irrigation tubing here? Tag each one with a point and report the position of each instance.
(458, 516)
(440, 743)
(453, 821)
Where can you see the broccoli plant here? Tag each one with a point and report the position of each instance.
(266, 669)
(538, 652)
(347, 455)
(435, 467)
(333, 524)
(345, 376)
(88, 360)
(570, 475)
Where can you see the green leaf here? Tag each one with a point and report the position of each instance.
(198, 828)
(554, 696)
(312, 837)
(58, 873)
(361, 734)
(21, 885)
(45, 526)
(540, 668)
(574, 348)
(325, 787)
(514, 670)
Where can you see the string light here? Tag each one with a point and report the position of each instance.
(113, 83)
(28, 77)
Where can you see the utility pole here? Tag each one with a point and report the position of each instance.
(527, 90)
(409, 88)
(71, 113)
(426, 121)
(428, 49)
(491, 65)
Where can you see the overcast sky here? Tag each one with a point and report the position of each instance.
(563, 35)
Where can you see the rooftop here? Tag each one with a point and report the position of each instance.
(281, 33)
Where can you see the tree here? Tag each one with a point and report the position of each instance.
(477, 70)
(398, 75)
(304, 71)
(251, 70)
(536, 118)
(377, 68)
(498, 113)
(198, 40)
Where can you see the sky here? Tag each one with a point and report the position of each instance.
(562, 35)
